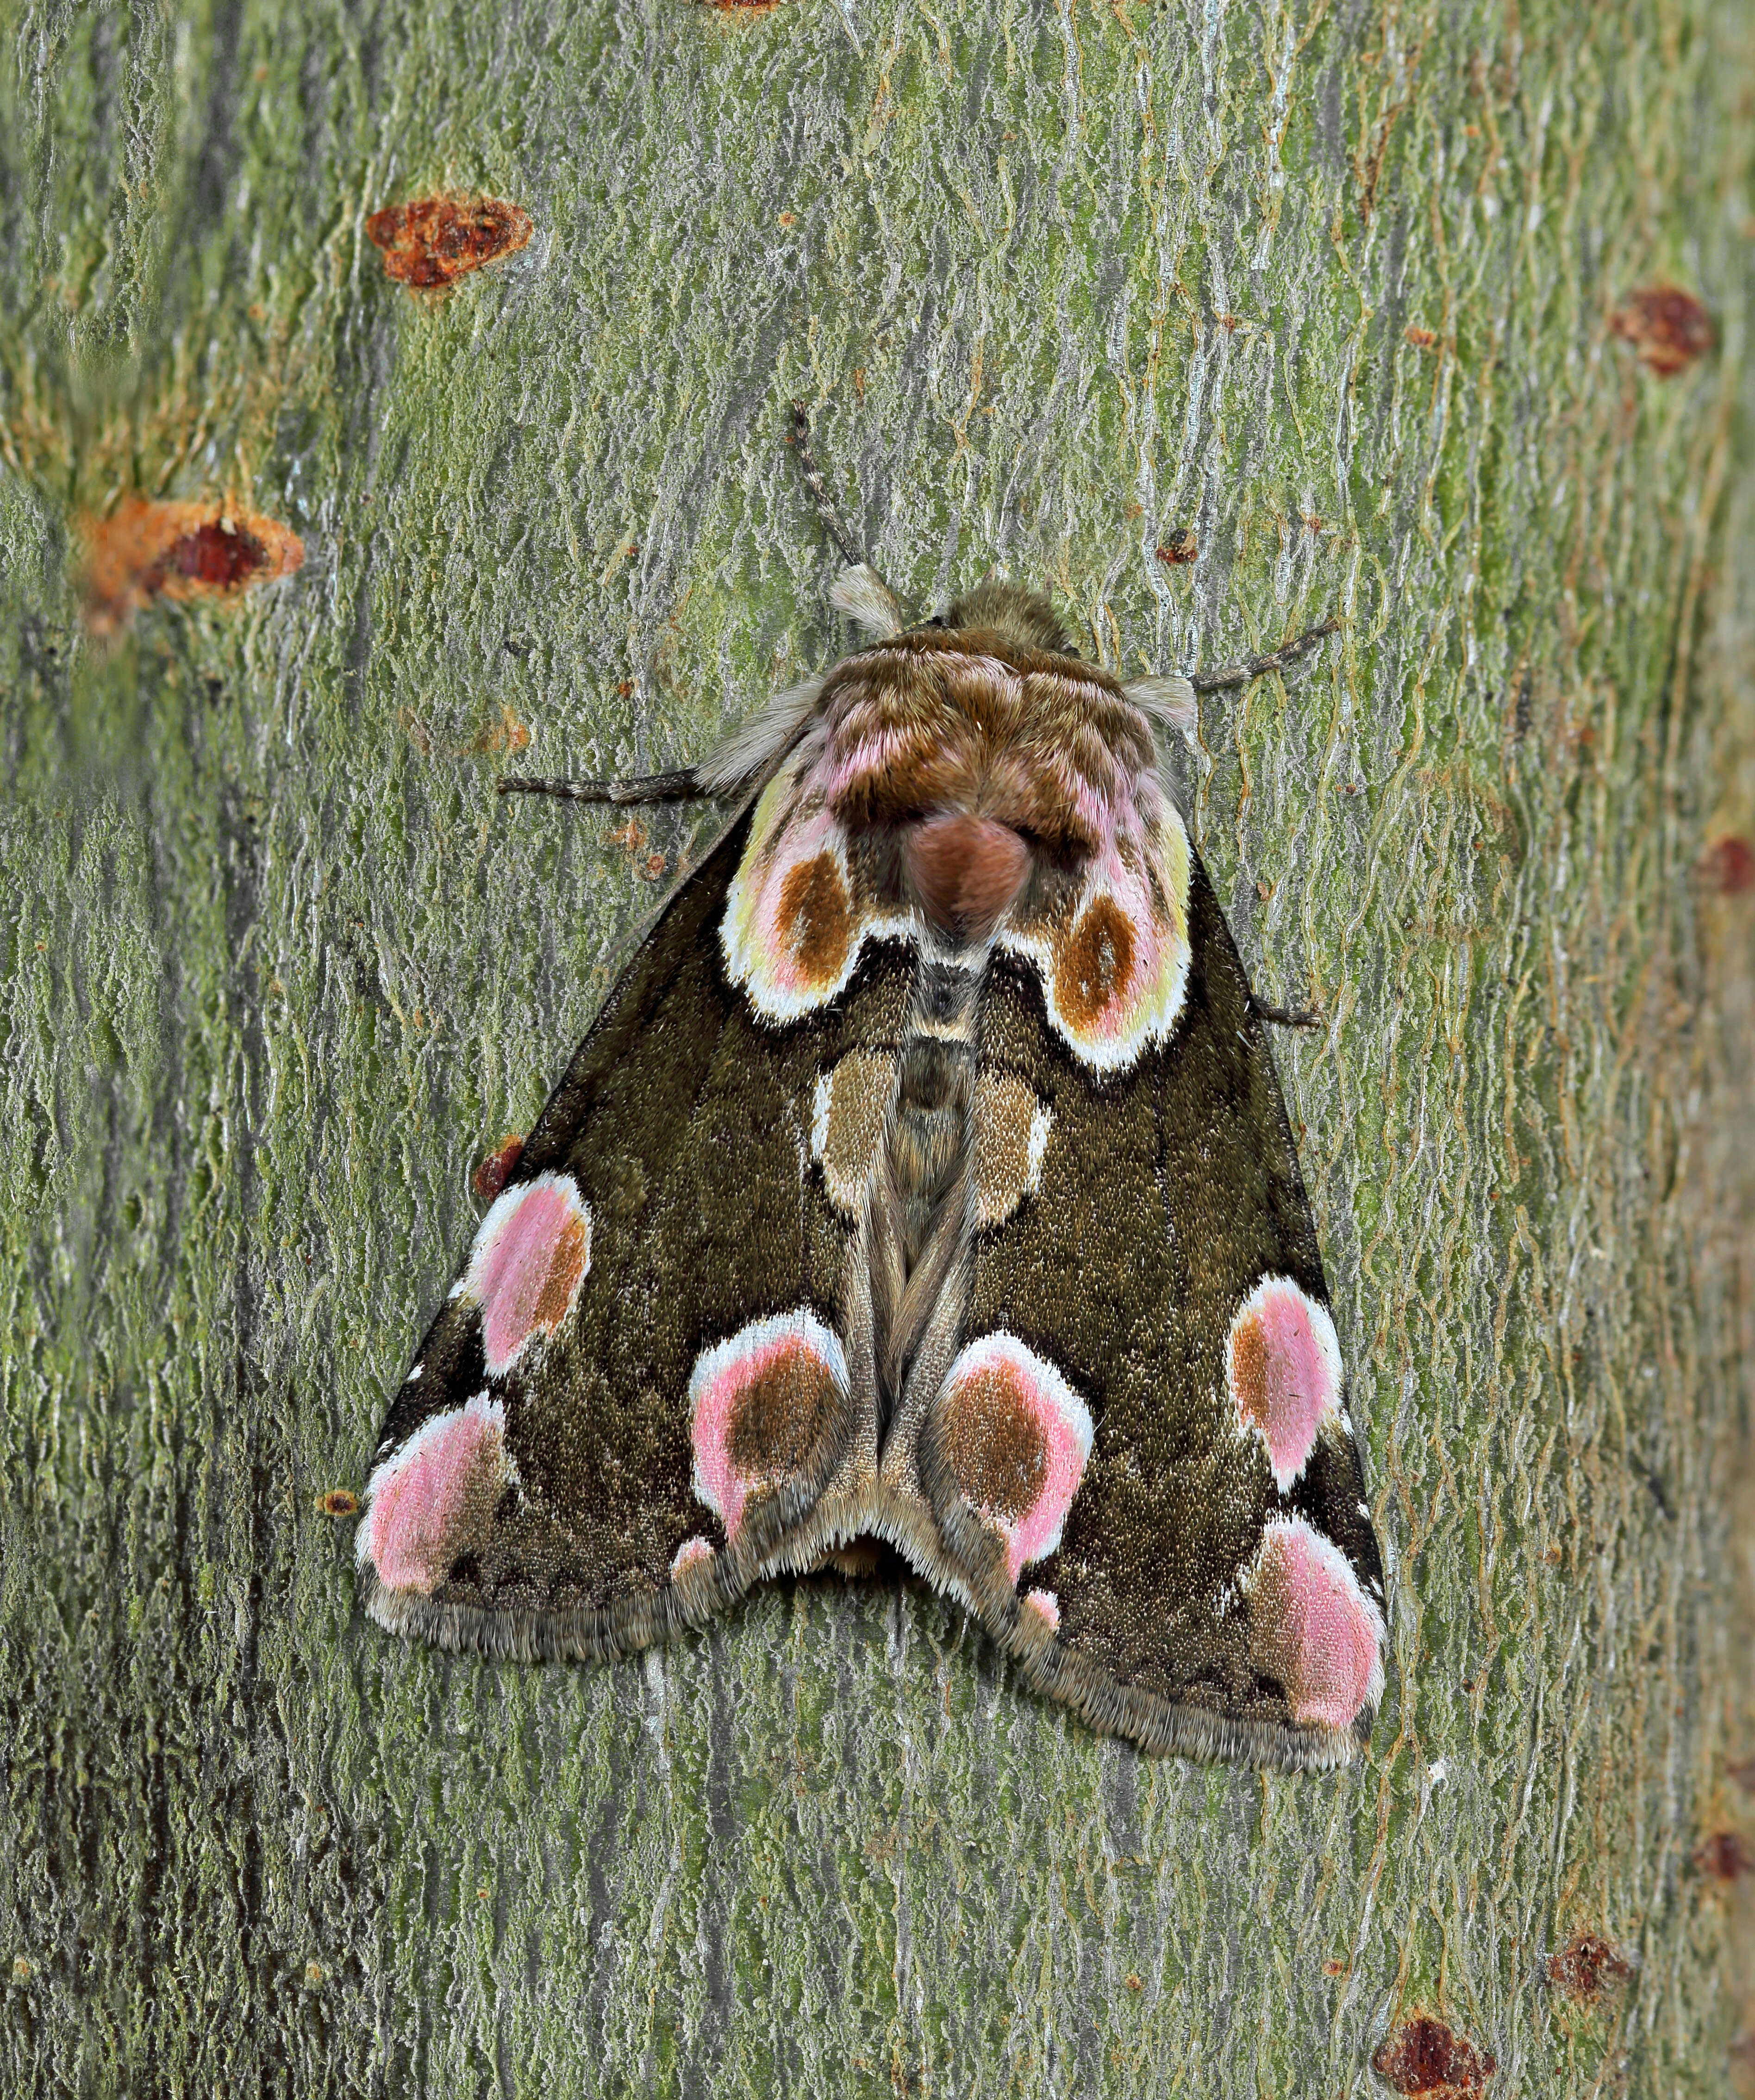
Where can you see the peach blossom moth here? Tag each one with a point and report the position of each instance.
(925, 1180)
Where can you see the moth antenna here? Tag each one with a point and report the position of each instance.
(1284, 1016)
(799, 437)
(1252, 667)
(683, 786)
(860, 592)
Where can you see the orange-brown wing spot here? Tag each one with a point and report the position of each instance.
(567, 1266)
(180, 551)
(816, 918)
(435, 240)
(1094, 963)
(995, 1447)
(780, 1414)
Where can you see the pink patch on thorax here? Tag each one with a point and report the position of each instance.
(425, 1500)
(1283, 1363)
(1312, 1625)
(530, 1256)
(854, 762)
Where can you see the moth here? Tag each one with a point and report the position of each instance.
(924, 1180)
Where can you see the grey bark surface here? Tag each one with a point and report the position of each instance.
(1331, 285)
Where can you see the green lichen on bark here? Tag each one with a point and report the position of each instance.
(1330, 286)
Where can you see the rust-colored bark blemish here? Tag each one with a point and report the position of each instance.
(1723, 1856)
(1668, 327)
(435, 240)
(493, 1173)
(507, 733)
(1587, 1969)
(1423, 2056)
(182, 551)
(1180, 548)
(1728, 866)
(337, 1501)
(740, 6)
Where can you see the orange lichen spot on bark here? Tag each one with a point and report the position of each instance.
(1728, 866)
(507, 733)
(1421, 338)
(337, 1501)
(182, 551)
(1180, 548)
(1723, 1856)
(435, 240)
(1668, 327)
(1587, 1969)
(1423, 2056)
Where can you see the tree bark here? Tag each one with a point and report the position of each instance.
(1331, 287)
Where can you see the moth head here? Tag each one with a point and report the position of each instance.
(1023, 617)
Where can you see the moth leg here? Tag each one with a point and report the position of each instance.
(1284, 1016)
(1275, 660)
(859, 591)
(685, 785)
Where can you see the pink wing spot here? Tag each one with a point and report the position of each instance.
(428, 1500)
(530, 1256)
(1283, 1363)
(1312, 1625)
(690, 1554)
(1114, 956)
(1016, 1437)
(1046, 1607)
(758, 1404)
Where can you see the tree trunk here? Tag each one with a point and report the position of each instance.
(1340, 290)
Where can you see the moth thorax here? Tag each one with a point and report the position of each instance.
(965, 871)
